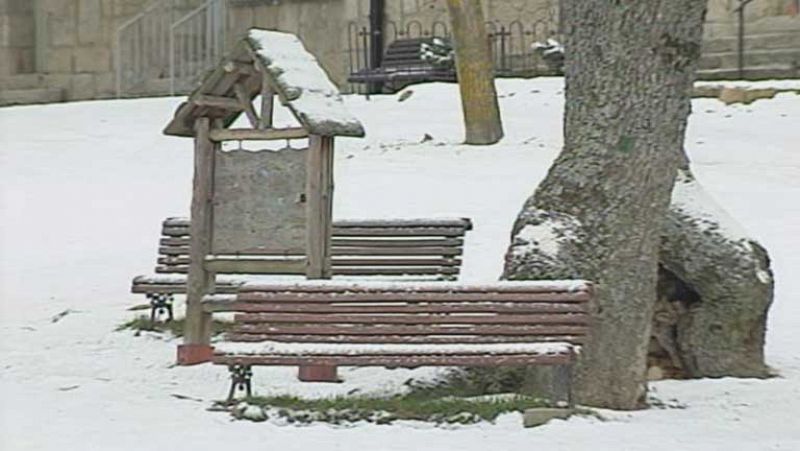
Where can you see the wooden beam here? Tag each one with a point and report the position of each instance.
(217, 102)
(248, 134)
(246, 104)
(240, 67)
(200, 281)
(267, 104)
(256, 265)
(319, 207)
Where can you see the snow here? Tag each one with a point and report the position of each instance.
(336, 284)
(82, 201)
(308, 90)
(286, 349)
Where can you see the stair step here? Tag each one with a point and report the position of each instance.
(764, 72)
(725, 60)
(30, 96)
(783, 40)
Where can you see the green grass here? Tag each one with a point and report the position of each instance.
(384, 410)
(174, 327)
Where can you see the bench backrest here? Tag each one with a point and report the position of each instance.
(420, 247)
(406, 53)
(502, 312)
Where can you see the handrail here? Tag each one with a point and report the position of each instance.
(740, 38)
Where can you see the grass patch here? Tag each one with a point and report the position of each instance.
(385, 410)
(175, 327)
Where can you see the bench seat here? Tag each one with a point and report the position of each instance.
(402, 324)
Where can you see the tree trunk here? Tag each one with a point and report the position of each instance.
(599, 212)
(719, 328)
(475, 73)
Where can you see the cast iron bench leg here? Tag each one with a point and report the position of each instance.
(241, 379)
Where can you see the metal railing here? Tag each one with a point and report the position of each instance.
(196, 42)
(739, 10)
(511, 43)
(166, 39)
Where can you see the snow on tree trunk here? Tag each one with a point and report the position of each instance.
(722, 332)
(475, 73)
(599, 212)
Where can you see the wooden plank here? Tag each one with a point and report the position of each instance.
(247, 134)
(225, 103)
(396, 271)
(552, 287)
(299, 307)
(319, 205)
(267, 104)
(373, 330)
(241, 68)
(369, 317)
(406, 339)
(376, 262)
(285, 266)
(400, 231)
(200, 281)
(355, 242)
(246, 104)
(351, 251)
(397, 361)
(247, 295)
(430, 242)
(416, 251)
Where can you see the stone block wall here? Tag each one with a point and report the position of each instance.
(17, 37)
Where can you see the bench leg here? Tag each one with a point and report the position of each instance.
(563, 385)
(241, 379)
(160, 304)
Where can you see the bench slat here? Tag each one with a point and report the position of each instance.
(515, 308)
(336, 251)
(396, 361)
(367, 316)
(406, 339)
(374, 330)
(410, 297)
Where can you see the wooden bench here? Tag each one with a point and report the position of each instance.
(403, 64)
(425, 248)
(403, 325)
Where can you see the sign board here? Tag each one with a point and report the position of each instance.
(259, 202)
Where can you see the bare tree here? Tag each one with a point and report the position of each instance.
(475, 73)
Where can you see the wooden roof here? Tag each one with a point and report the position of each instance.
(292, 73)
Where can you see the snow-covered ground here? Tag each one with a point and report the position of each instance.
(84, 186)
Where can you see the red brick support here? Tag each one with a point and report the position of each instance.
(192, 354)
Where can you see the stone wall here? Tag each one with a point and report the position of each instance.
(68, 43)
(17, 37)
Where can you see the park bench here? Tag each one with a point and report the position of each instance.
(424, 248)
(403, 325)
(403, 64)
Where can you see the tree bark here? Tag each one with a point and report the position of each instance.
(721, 331)
(599, 212)
(475, 73)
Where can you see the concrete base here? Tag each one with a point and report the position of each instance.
(318, 374)
(189, 354)
(540, 416)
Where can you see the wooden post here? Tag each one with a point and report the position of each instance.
(197, 332)
(267, 105)
(319, 208)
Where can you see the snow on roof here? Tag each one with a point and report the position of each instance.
(291, 70)
(305, 86)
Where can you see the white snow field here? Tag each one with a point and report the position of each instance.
(84, 187)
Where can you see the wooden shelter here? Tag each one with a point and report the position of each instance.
(274, 204)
